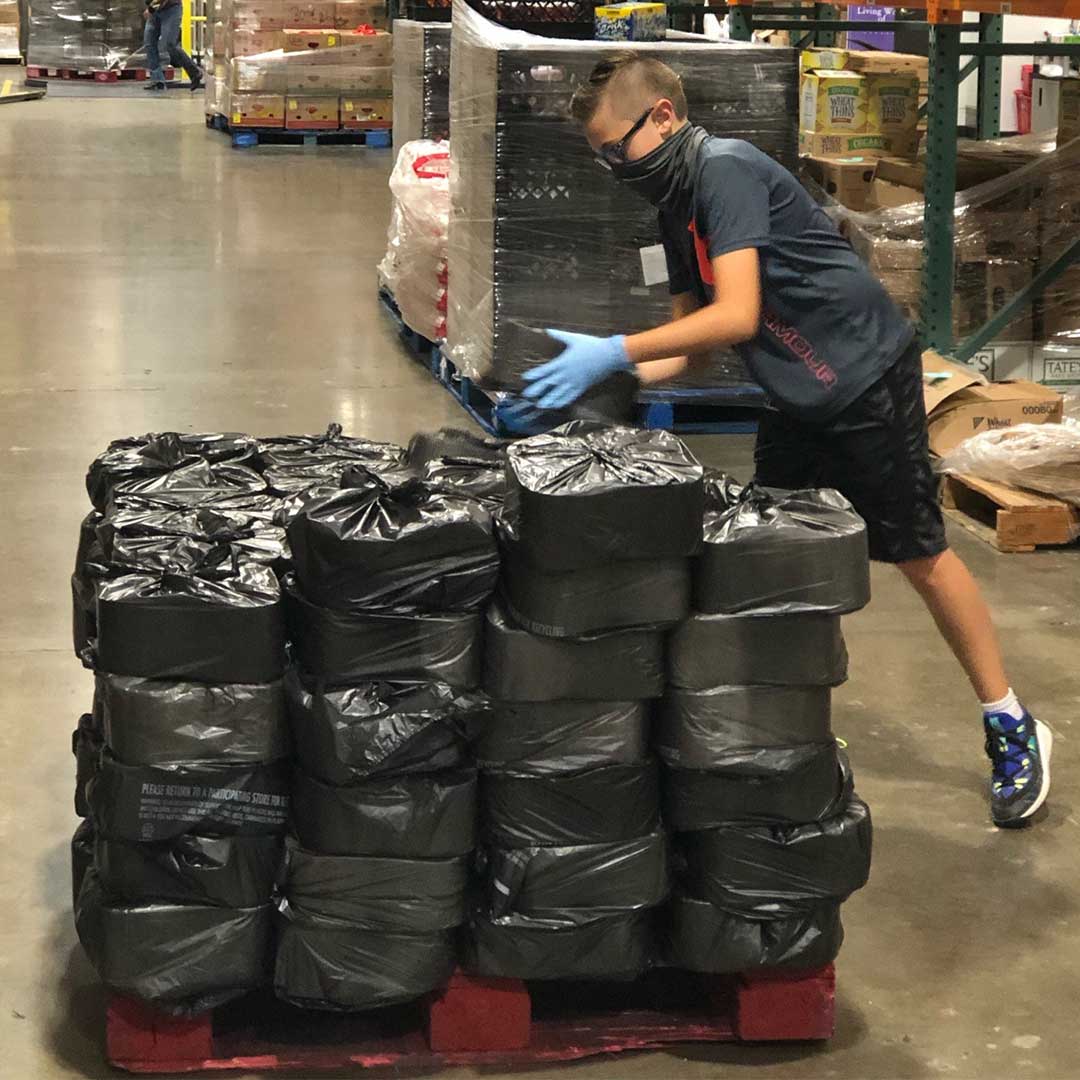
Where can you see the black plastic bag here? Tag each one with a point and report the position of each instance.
(772, 871)
(563, 736)
(404, 895)
(599, 878)
(192, 484)
(519, 666)
(82, 858)
(779, 552)
(712, 729)
(568, 947)
(584, 494)
(87, 743)
(705, 938)
(794, 785)
(379, 729)
(407, 548)
(171, 721)
(183, 958)
(330, 964)
(293, 449)
(750, 650)
(149, 803)
(139, 457)
(418, 816)
(595, 806)
(609, 596)
(341, 647)
(223, 871)
(187, 626)
(458, 462)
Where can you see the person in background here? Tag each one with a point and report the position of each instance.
(163, 24)
(756, 265)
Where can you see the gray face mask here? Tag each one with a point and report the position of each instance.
(666, 175)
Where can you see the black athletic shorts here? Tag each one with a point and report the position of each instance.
(875, 453)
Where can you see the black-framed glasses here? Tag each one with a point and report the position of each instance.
(614, 153)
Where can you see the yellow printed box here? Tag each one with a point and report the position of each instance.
(631, 22)
(894, 104)
(817, 59)
(840, 146)
(834, 103)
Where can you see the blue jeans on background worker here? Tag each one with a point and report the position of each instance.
(164, 25)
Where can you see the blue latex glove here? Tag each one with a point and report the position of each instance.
(584, 362)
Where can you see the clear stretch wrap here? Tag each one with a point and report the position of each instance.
(84, 35)
(1006, 230)
(421, 81)
(540, 234)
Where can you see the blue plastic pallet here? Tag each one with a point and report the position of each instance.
(722, 410)
(377, 138)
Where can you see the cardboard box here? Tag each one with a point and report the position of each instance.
(254, 42)
(349, 14)
(1069, 112)
(303, 40)
(325, 79)
(312, 113)
(833, 103)
(981, 290)
(373, 111)
(844, 145)
(894, 111)
(1057, 364)
(631, 22)
(959, 403)
(816, 59)
(250, 76)
(258, 15)
(256, 110)
(311, 16)
(1061, 307)
(848, 180)
(9, 16)
(874, 62)
(366, 49)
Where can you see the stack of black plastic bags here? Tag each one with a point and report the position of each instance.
(364, 714)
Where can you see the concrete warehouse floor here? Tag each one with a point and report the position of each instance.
(152, 278)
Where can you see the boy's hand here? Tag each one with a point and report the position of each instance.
(585, 361)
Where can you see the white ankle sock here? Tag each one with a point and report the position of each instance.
(1010, 704)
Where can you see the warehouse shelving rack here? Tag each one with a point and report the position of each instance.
(819, 24)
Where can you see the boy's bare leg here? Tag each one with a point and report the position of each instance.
(956, 602)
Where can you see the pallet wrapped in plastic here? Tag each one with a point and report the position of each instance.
(222, 871)
(353, 733)
(609, 596)
(152, 803)
(537, 226)
(790, 785)
(404, 895)
(421, 80)
(579, 945)
(519, 666)
(541, 882)
(172, 721)
(373, 546)
(604, 805)
(535, 738)
(342, 648)
(414, 266)
(699, 936)
(332, 964)
(584, 494)
(719, 727)
(757, 650)
(84, 35)
(770, 871)
(413, 816)
(183, 625)
(182, 958)
(780, 552)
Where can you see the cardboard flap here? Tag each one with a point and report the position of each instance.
(943, 378)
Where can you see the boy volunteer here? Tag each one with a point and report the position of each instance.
(755, 264)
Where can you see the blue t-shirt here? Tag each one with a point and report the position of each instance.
(828, 328)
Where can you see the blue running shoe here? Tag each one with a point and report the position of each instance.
(1019, 751)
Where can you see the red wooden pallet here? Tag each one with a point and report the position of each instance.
(480, 1022)
(126, 74)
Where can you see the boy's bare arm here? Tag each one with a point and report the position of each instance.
(652, 372)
